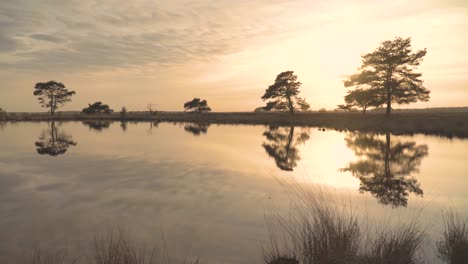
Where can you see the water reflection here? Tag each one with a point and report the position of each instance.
(123, 125)
(384, 166)
(197, 128)
(54, 142)
(282, 145)
(97, 125)
(152, 124)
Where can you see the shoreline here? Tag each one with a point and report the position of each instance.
(447, 124)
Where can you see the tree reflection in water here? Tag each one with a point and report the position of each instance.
(98, 125)
(53, 142)
(282, 145)
(123, 125)
(152, 124)
(384, 167)
(197, 128)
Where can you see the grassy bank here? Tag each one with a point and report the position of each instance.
(450, 124)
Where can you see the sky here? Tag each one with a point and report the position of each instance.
(132, 53)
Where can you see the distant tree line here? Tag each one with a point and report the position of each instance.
(387, 76)
(53, 95)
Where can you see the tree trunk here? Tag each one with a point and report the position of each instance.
(53, 105)
(389, 105)
(389, 93)
(291, 107)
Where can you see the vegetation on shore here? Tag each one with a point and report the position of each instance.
(322, 228)
(449, 124)
(3, 114)
(197, 105)
(453, 246)
(386, 77)
(115, 247)
(97, 108)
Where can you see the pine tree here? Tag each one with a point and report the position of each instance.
(389, 71)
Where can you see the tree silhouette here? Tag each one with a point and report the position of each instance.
(52, 95)
(363, 98)
(3, 114)
(282, 145)
(346, 107)
(197, 128)
(197, 105)
(123, 113)
(97, 107)
(151, 108)
(385, 167)
(284, 94)
(53, 143)
(389, 72)
(97, 125)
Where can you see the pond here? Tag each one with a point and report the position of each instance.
(205, 190)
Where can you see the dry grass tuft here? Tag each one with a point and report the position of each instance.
(399, 245)
(112, 248)
(325, 230)
(453, 247)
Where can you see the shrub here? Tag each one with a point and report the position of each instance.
(96, 108)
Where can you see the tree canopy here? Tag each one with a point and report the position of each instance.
(52, 95)
(388, 71)
(97, 107)
(284, 94)
(363, 98)
(197, 105)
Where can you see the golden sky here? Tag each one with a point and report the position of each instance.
(166, 52)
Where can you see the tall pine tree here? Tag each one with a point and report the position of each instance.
(389, 71)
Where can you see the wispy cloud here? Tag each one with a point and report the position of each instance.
(76, 34)
(220, 46)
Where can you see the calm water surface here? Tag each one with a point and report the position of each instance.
(205, 189)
